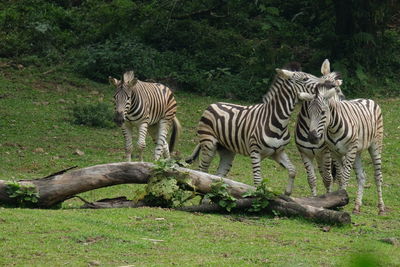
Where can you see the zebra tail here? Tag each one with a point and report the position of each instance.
(194, 156)
(176, 132)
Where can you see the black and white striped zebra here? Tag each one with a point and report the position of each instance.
(151, 107)
(348, 127)
(257, 131)
(320, 151)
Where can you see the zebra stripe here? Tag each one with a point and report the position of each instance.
(149, 106)
(348, 127)
(257, 131)
(320, 151)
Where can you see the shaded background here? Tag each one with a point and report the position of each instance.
(212, 47)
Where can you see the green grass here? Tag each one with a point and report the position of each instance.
(35, 113)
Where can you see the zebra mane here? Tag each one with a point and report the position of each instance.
(291, 66)
(337, 75)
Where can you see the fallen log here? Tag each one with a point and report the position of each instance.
(283, 205)
(55, 189)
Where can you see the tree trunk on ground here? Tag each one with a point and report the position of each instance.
(61, 186)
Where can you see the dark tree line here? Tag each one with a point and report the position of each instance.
(216, 47)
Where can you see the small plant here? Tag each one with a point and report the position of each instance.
(25, 195)
(95, 115)
(165, 191)
(262, 195)
(164, 165)
(220, 195)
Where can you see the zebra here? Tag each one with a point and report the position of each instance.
(151, 107)
(319, 151)
(348, 127)
(257, 131)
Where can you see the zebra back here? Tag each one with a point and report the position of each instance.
(151, 102)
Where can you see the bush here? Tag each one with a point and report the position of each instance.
(94, 115)
(114, 56)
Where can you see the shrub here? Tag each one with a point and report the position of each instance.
(94, 115)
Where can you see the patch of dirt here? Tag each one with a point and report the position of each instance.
(91, 240)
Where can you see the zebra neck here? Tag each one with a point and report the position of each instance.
(336, 123)
(281, 100)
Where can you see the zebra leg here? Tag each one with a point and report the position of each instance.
(375, 153)
(338, 162)
(225, 163)
(153, 130)
(256, 162)
(127, 132)
(360, 181)
(142, 139)
(308, 164)
(283, 159)
(207, 153)
(324, 166)
(348, 163)
(162, 145)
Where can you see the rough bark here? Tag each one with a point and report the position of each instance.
(60, 186)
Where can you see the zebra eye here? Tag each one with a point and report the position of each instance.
(323, 112)
(305, 79)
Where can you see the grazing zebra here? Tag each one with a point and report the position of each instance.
(150, 106)
(257, 131)
(319, 151)
(348, 127)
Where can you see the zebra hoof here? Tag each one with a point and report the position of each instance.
(381, 212)
(356, 211)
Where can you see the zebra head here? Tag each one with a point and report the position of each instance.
(123, 95)
(333, 77)
(297, 81)
(305, 82)
(318, 109)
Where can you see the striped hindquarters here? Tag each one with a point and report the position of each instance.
(153, 101)
(361, 119)
(232, 126)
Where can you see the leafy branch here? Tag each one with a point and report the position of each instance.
(262, 195)
(220, 195)
(25, 195)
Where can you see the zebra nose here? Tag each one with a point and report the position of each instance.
(313, 137)
(119, 118)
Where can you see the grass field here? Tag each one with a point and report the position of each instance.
(37, 138)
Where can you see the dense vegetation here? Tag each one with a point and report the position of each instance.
(214, 47)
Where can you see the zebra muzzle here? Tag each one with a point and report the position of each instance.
(119, 118)
(313, 137)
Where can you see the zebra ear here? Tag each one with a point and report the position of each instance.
(128, 76)
(326, 67)
(330, 93)
(306, 96)
(286, 74)
(113, 81)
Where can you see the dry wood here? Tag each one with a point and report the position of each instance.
(61, 186)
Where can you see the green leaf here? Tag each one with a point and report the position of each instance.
(272, 10)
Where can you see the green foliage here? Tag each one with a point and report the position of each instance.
(114, 56)
(24, 195)
(95, 115)
(220, 195)
(166, 192)
(263, 194)
(220, 48)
